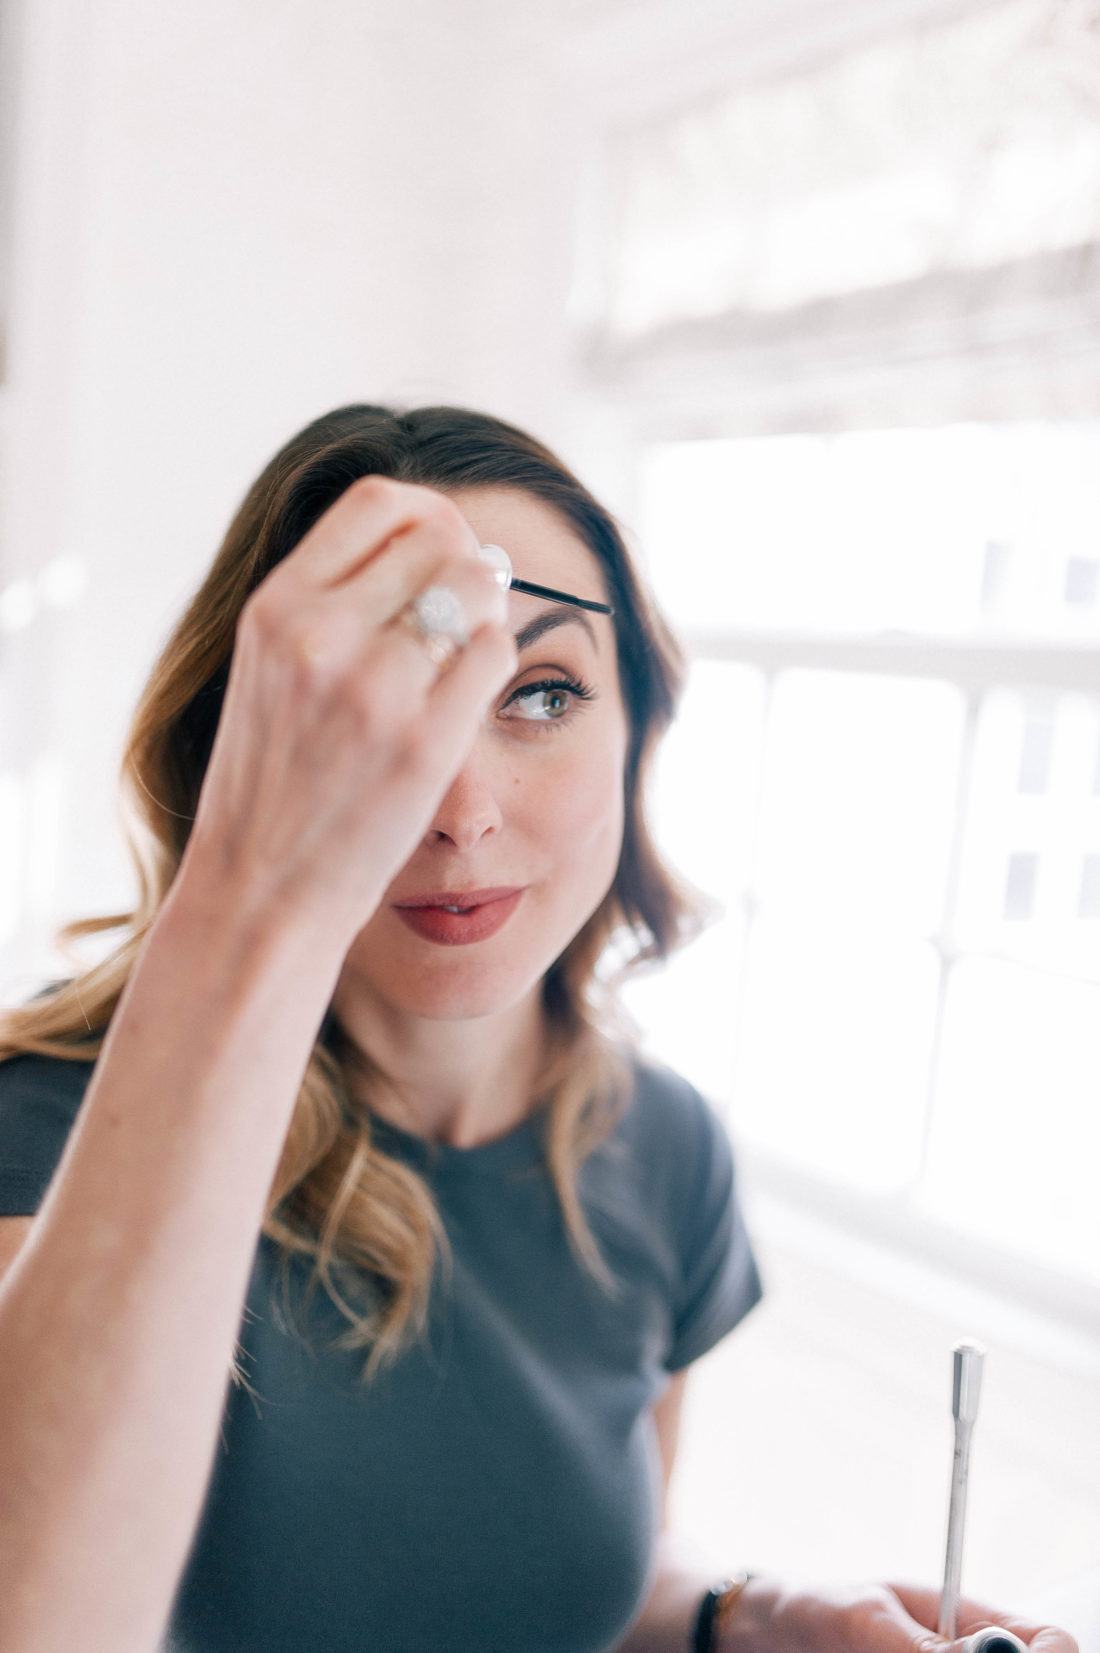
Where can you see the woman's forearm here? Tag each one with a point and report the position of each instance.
(118, 1320)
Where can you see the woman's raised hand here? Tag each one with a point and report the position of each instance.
(339, 736)
(773, 1614)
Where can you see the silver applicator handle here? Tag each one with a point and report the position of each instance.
(965, 1392)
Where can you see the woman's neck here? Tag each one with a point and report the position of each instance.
(462, 1083)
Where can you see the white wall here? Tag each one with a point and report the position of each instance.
(230, 217)
(234, 214)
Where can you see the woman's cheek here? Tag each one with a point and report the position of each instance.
(588, 811)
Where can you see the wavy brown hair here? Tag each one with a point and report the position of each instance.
(367, 1220)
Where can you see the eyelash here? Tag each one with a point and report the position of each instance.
(575, 686)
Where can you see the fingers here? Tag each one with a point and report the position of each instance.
(373, 552)
(923, 1605)
(841, 1618)
(877, 1618)
(362, 524)
(336, 634)
(402, 672)
(896, 1630)
(457, 701)
(389, 585)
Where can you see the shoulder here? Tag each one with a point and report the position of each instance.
(668, 1113)
(673, 1135)
(675, 1194)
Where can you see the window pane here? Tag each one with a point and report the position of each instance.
(836, 1044)
(687, 1010)
(1033, 832)
(1019, 903)
(706, 779)
(963, 529)
(1088, 905)
(1016, 1129)
(859, 798)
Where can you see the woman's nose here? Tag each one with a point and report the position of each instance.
(468, 810)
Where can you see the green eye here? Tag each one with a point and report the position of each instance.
(540, 703)
(550, 701)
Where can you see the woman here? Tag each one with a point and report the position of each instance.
(356, 1036)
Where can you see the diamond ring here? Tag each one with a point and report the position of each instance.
(438, 621)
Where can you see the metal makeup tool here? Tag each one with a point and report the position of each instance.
(965, 1392)
(501, 563)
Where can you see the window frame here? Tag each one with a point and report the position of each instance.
(975, 666)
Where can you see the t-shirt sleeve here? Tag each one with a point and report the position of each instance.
(40, 1097)
(720, 1280)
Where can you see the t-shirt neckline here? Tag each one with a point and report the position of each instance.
(521, 1146)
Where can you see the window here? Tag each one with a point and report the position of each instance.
(841, 313)
(968, 144)
(887, 769)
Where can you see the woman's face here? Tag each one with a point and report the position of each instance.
(537, 806)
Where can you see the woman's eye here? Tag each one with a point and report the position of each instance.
(546, 702)
(540, 702)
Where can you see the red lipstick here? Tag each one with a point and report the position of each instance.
(481, 914)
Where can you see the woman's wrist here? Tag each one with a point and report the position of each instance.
(716, 1612)
(743, 1628)
(253, 913)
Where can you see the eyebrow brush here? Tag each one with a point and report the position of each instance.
(965, 1391)
(501, 562)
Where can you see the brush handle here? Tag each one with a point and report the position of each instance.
(965, 1392)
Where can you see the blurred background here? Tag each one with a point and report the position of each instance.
(809, 292)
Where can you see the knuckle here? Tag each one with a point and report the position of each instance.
(261, 614)
(373, 487)
(868, 1604)
(435, 510)
(305, 658)
(847, 1625)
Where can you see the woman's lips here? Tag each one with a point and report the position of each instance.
(459, 929)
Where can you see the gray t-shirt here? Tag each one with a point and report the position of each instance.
(498, 1489)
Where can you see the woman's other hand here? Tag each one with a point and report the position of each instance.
(874, 1618)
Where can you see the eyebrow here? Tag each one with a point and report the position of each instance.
(542, 623)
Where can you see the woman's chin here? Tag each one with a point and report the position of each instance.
(456, 1000)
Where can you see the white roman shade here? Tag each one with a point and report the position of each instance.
(906, 232)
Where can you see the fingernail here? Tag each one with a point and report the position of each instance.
(499, 561)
